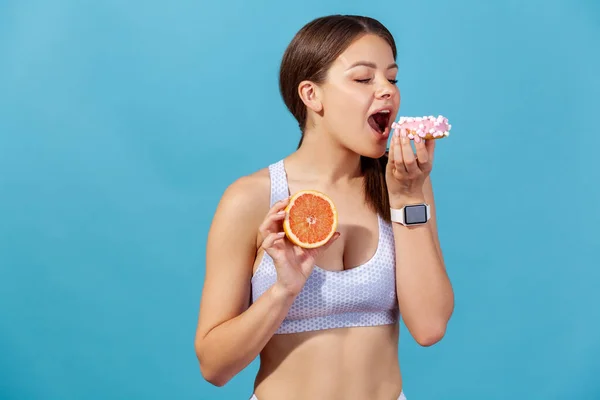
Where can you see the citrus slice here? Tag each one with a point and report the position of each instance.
(310, 219)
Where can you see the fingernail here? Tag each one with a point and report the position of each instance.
(403, 133)
(281, 212)
(417, 139)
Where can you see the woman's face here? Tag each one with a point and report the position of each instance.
(359, 98)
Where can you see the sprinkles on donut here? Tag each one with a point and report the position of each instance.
(428, 127)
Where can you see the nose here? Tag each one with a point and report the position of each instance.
(385, 90)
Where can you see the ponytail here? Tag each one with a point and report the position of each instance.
(375, 185)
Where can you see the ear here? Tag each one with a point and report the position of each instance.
(310, 94)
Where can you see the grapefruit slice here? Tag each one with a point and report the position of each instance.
(310, 219)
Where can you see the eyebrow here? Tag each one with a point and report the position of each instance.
(370, 65)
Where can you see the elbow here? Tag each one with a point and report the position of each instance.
(428, 336)
(211, 373)
(213, 377)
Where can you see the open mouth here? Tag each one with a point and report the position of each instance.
(380, 121)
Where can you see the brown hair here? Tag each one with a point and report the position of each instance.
(308, 57)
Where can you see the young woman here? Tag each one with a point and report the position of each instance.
(325, 321)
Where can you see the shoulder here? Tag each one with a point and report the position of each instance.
(245, 201)
(249, 191)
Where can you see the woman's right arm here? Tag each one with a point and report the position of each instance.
(230, 335)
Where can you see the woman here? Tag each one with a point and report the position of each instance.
(325, 322)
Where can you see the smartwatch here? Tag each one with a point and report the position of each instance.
(412, 214)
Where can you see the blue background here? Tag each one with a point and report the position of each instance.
(121, 123)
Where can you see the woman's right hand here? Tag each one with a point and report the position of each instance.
(293, 263)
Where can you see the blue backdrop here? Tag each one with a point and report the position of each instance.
(121, 123)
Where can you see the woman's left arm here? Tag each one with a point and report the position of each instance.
(429, 199)
(425, 294)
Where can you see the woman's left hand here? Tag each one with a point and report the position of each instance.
(406, 171)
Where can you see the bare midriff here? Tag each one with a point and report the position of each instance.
(354, 363)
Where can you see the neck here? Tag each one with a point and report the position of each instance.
(326, 160)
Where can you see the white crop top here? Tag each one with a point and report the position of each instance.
(362, 296)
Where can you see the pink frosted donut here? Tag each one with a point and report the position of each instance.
(426, 127)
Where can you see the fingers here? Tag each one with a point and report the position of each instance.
(271, 224)
(390, 155)
(401, 156)
(410, 161)
(395, 159)
(430, 147)
(272, 221)
(312, 254)
(423, 158)
(404, 160)
(279, 206)
(270, 240)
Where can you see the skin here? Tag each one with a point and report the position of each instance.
(344, 363)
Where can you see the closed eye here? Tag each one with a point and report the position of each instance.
(392, 81)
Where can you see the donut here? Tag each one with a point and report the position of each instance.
(428, 127)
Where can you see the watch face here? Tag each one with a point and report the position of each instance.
(416, 214)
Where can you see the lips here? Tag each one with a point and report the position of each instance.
(380, 120)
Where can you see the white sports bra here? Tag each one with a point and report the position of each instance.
(362, 296)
